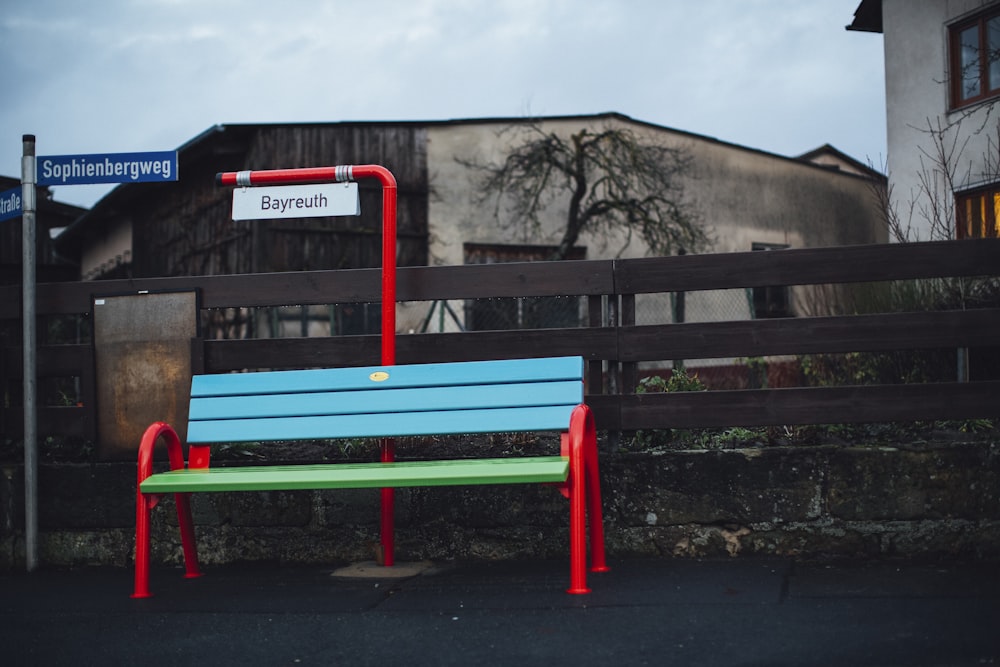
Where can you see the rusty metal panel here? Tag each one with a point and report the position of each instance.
(142, 346)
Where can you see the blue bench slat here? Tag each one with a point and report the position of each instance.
(416, 375)
(388, 400)
(549, 418)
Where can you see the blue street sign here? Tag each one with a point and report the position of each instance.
(155, 167)
(10, 203)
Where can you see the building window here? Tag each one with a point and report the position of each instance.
(978, 213)
(974, 47)
(543, 312)
(770, 300)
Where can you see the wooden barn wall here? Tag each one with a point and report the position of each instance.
(190, 231)
(185, 228)
(346, 242)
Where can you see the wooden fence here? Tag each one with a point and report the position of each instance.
(611, 342)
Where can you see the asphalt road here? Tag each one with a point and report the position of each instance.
(644, 612)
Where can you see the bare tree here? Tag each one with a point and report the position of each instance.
(616, 182)
(945, 165)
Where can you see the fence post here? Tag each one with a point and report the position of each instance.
(629, 369)
(680, 312)
(595, 367)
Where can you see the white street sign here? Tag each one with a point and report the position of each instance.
(296, 201)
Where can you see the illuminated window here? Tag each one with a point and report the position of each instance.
(974, 47)
(978, 213)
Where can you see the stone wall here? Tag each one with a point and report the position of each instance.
(931, 502)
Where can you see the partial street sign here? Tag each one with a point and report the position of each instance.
(10, 203)
(296, 201)
(152, 167)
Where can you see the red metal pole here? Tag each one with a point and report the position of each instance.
(352, 173)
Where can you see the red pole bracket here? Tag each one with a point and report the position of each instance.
(339, 174)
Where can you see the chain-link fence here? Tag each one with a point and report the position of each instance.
(292, 321)
(699, 307)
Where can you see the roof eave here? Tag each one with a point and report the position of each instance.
(867, 17)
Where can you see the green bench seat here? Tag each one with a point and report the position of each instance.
(550, 469)
(381, 402)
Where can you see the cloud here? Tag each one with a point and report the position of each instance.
(135, 75)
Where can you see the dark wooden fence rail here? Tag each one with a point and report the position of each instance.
(611, 341)
(813, 335)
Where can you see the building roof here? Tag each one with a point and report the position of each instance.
(831, 158)
(45, 203)
(867, 17)
(230, 139)
(51, 215)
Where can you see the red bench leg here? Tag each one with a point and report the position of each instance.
(577, 532)
(186, 524)
(595, 515)
(583, 486)
(144, 505)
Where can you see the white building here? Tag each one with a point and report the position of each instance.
(942, 74)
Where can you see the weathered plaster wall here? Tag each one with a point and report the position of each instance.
(742, 195)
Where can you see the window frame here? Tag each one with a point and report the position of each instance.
(987, 223)
(770, 301)
(956, 80)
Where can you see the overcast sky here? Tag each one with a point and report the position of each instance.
(782, 76)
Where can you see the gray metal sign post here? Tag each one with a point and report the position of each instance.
(148, 167)
(28, 344)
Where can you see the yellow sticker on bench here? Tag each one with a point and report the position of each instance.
(379, 376)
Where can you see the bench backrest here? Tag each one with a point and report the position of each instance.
(383, 401)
